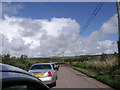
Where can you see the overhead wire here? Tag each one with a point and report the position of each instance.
(95, 12)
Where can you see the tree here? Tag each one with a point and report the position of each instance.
(6, 57)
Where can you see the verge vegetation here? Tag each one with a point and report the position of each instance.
(104, 68)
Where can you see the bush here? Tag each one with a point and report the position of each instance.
(23, 62)
(81, 65)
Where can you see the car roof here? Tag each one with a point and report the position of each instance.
(5, 67)
(42, 63)
(11, 75)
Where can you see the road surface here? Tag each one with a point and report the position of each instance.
(69, 78)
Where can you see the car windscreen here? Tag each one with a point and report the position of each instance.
(41, 66)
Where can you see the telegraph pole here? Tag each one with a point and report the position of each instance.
(118, 10)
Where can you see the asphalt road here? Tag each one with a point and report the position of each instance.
(69, 78)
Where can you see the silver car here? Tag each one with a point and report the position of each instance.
(46, 72)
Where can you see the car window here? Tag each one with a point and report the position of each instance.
(44, 66)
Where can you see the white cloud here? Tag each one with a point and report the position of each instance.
(107, 46)
(17, 44)
(108, 28)
(57, 36)
(56, 26)
(11, 8)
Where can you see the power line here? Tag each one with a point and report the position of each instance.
(95, 12)
(92, 16)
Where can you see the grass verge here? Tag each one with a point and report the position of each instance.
(113, 81)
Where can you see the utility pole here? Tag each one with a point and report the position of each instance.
(118, 10)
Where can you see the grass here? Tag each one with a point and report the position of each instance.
(85, 71)
(104, 71)
(106, 65)
(108, 79)
(113, 81)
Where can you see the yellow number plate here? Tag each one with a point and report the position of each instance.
(38, 74)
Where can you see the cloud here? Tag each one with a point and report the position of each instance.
(108, 28)
(107, 46)
(10, 8)
(55, 37)
(17, 44)
(15, 47)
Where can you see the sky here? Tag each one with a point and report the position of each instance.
(45, 29)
